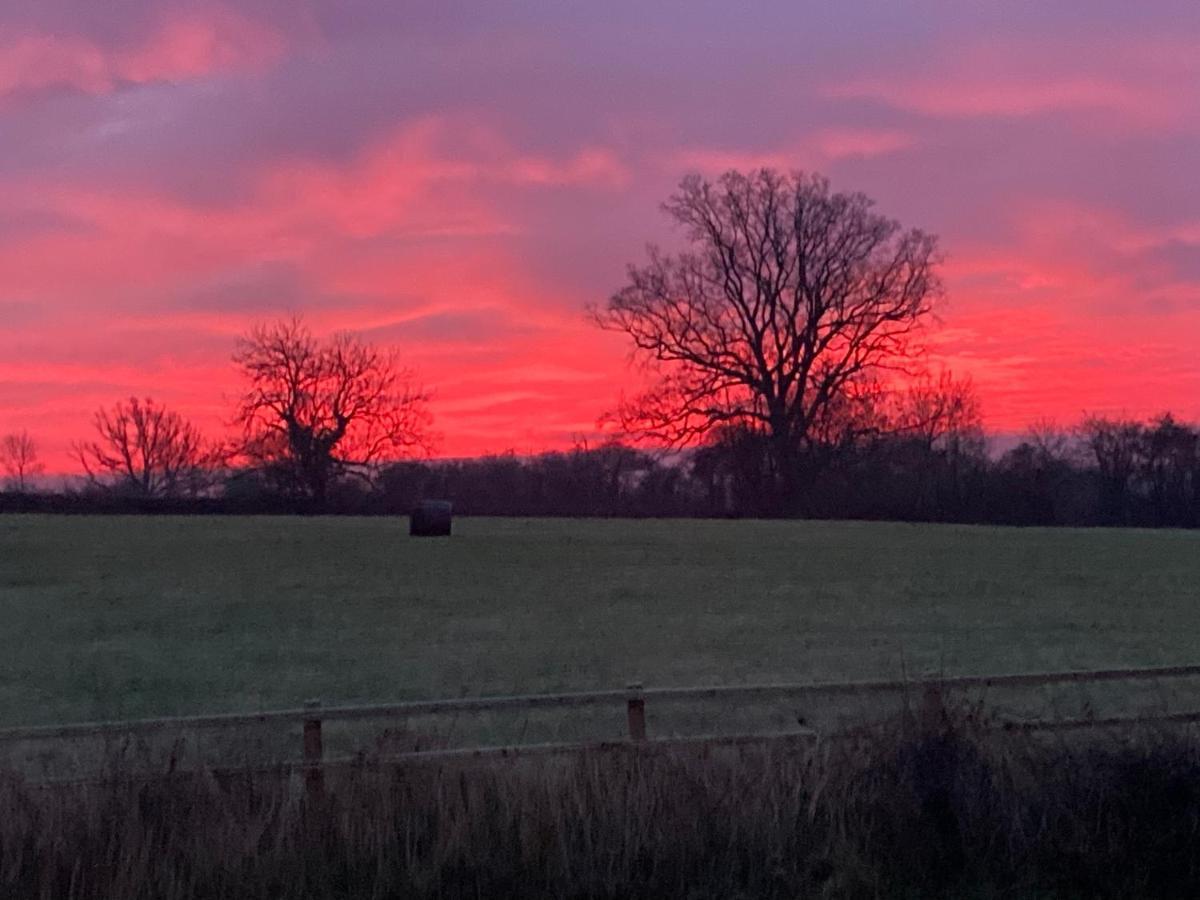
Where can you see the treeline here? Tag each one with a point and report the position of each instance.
(1102, 472)
(773, 343)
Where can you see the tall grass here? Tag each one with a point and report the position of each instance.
(939, 807)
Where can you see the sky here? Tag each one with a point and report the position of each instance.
(458, 181)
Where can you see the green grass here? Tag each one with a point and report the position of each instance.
(123, 617)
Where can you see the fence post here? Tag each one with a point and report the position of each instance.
(636, 712)
(933, 704)
(314, 774)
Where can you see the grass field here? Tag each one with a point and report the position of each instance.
(125, 617)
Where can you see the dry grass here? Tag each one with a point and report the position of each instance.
(933, 805)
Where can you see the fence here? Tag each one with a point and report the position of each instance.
(312, 717)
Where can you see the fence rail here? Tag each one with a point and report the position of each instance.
(312, 716)
(592, 698)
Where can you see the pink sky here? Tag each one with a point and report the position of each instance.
(460, 181)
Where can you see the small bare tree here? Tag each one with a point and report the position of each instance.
(316, 411)
(940, 416)
(146, 450)
(1051, 445)
(943, 412)
(19, 459)
(788, 305)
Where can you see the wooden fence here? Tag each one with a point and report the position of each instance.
(312, 716)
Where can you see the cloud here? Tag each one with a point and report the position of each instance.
(1023, 97)
(1105, 82)
(405, 243)
(1082, 310)
(189, 46)
(428, 182)
(460, 186)
(458, 326)
(818, 150)
(591, 166)
(428, 179)
(841, 143)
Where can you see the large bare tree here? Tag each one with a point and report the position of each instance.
(778, 319)
(315, 411)
(143, 448)
(19, 459)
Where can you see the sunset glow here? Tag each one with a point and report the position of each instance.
(460, 182)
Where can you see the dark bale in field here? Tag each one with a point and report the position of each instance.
(431, 518)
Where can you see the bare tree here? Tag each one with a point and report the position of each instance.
(1170, 469)
(19, 459)
(1117, 448)
(944, 413)
(1050, 444)
(316, 411)
(788, 305)
(147, 450)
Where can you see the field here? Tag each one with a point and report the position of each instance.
(129, 617)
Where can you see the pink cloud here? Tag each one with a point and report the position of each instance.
(842, 143)
(459, 189)
(1075, 313)
(1112, 84)
(592, 166)
(405, 187)
(822, 148)
(1033, 363)
(427, 179)
(197, 44)
(406, 231)
(35, 61)
(976, 97)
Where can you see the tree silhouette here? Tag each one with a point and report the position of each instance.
(790, 302)
(19, 459)
(147, 450)
(1171, 470)
(1116, 446)
(316, 411)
